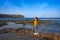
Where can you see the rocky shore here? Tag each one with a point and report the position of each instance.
(26, 34)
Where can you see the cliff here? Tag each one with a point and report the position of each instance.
(11, 16)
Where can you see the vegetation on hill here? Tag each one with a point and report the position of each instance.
(11, 16)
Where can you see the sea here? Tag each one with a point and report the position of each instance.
(29, 18)
(54, 27)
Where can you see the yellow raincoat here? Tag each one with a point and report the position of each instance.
(35, 23)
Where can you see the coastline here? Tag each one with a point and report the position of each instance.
(26, 34)
(23, 34)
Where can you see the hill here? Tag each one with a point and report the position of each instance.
(11, 16)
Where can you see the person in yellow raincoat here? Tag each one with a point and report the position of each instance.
(35, 24)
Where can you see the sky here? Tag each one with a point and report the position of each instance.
(31, 8)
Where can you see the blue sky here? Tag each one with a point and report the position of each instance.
(31, 8)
